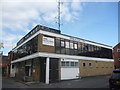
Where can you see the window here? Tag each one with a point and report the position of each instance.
(76, 64)
(118, 50)
(69, 64)
(119, 59)
(57, 45)
(62, 44)
(67, 44)
(116, 75)
(28, 70)
(72, 64)
(58, 42)
(71, 45)
(86, 48)
(92, 48)
(75, 46)
(90, 64)
(63, 64)
(84, 64)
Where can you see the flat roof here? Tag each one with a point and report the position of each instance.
(58, 32)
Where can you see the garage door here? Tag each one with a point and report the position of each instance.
(69, 69)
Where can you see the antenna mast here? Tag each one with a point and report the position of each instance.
(59, 15)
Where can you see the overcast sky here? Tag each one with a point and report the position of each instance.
(95, 21)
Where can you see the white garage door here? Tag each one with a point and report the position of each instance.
(69, 69)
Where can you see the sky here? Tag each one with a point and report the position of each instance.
(95, 21)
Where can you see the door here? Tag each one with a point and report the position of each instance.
(42, 69)
(69, 69)
(54, 75)
(12, 71)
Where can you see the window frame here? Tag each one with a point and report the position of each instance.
(76, 48)
(71, 45)
(67, 42)
(118, 58)
(90, 65)
(62, 43)
(83, 64)
(118, 49)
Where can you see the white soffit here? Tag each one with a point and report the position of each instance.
(62, 56)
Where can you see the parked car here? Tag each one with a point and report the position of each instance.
(114, 80)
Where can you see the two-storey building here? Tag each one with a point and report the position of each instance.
(46, 55)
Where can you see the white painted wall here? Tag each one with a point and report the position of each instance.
(69, 73)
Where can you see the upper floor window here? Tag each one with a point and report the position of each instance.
(71, 45)
(75, 46)
(58, 42)
(118, 50)
(69, 64)
(62, 43)
(67, 44)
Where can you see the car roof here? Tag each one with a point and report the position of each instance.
(116, 70)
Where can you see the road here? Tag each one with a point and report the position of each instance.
(88, 82)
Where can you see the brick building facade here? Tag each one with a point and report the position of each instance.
(46, 55)
(117, 56)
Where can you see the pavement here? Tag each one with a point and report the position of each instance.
(88, 82)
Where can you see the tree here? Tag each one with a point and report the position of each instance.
(1, 45)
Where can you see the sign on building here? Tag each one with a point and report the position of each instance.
(48, 41)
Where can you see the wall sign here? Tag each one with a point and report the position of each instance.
(48, 41)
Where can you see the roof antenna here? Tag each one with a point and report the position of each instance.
(59, 15)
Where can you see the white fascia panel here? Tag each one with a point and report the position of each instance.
(69, 38)
(27, 40)
(62, 56)
(60, 36)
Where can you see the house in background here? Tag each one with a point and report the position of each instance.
(3, 65)
(46, 55)
(116, 54)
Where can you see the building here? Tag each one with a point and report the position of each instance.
(117, 56)
(46, 55)
(3, 65)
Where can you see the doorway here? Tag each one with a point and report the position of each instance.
(42, 69)
(54, 71)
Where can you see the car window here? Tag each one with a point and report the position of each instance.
(116, 75)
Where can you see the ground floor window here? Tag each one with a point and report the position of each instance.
(69, 64)
(28, 70)
(90, 64)
(84, 64)
(119, 59)
(12, 66)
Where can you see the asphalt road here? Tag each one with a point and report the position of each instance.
(88, 82)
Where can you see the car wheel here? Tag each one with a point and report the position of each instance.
(111, 87)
